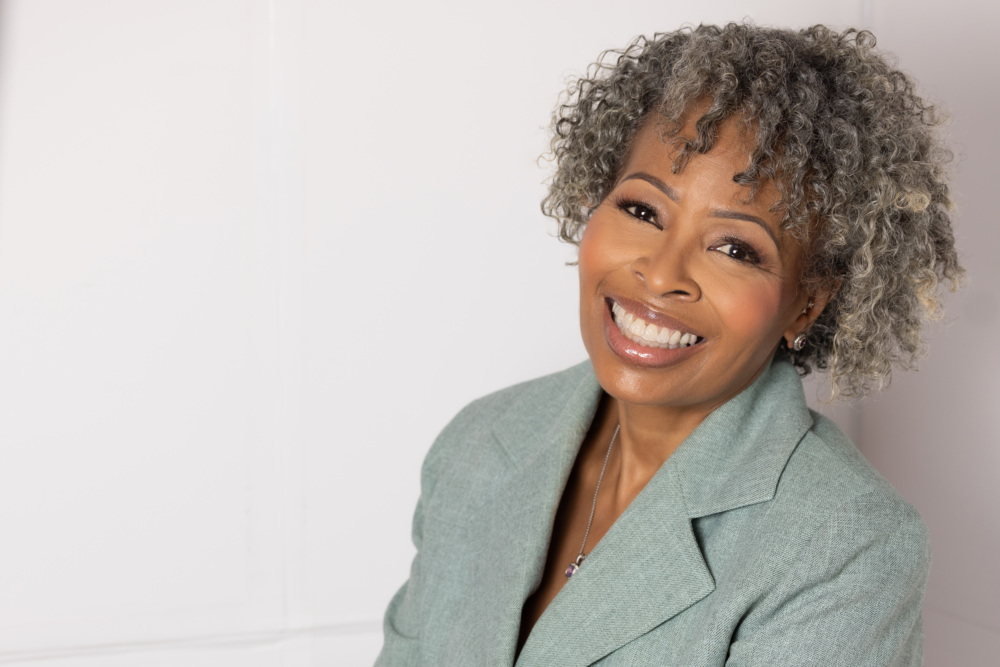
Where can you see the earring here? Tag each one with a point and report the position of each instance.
(808, 307)
(799, 343)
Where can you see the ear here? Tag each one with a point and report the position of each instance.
(811, 307)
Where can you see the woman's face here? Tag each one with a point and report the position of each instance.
(686, 289)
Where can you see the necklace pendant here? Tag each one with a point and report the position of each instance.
(573, 567)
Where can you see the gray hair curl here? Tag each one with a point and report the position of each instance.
(841, 133)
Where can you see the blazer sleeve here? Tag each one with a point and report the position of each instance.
(851, 597)
(406, 615)
(401, 633)
(401, 625)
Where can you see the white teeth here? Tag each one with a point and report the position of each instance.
(648, 334)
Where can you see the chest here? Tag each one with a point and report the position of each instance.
(612, 615)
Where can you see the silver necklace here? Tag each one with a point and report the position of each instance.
(574, 566)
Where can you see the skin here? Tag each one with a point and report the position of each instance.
(686, 246)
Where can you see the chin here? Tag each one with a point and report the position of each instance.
(643, 387)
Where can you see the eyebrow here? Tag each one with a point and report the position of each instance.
(656, 183)
(736, 215)
(722, 213)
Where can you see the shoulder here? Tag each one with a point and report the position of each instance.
(538, 395)
(828, 503)
(533, 400)
(517, 411)
(828, 477)
(842, 561)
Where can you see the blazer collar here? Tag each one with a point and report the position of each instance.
(554, 411)
(737, 454)
(648, 567)
(734, 458)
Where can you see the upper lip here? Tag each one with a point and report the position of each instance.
(650, 316)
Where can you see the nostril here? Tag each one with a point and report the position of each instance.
(668, 280)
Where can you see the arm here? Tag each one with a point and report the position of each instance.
(401, 624)
(852, 597)
(406, 615)
(401, 643)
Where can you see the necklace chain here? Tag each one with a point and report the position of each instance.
(573, 567)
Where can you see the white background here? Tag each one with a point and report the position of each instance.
(253, 255)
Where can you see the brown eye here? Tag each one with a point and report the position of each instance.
(739, 251)
(641, 212)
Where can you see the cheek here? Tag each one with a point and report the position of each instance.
(597, 263)
(602, 248)
(751, 310)
(592, 258)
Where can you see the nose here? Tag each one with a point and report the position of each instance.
(665, 268)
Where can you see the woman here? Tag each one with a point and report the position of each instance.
(747, 202)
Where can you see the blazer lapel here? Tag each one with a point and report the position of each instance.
(736, 456)
(540, 436)
(646, 569)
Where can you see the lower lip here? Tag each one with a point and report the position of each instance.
(640, 355)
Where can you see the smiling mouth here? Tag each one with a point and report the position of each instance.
(644, 333)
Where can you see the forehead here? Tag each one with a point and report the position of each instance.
(655, 151)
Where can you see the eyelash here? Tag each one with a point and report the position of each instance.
(625, 204)
(750, 254)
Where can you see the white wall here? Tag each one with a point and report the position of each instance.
(253, 255)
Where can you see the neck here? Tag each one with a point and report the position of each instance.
(648, 436)
(651, 433)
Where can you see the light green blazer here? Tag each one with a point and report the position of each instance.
(765, 539)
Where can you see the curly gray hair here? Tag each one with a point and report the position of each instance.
(840, 132)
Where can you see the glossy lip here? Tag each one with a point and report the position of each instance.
(640, 355)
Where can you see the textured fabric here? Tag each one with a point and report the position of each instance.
(765, 540)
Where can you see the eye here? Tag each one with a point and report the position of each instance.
(738, 250)
(639, 211)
